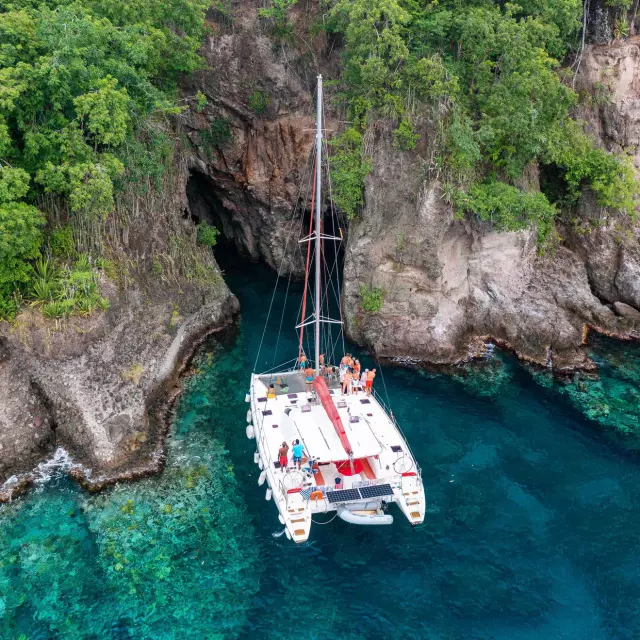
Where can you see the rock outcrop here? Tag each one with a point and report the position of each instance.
(95, 385)
(248, 182)
(448, 282)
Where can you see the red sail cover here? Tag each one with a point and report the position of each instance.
(327, 402)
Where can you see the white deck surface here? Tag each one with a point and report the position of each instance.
(374, 439)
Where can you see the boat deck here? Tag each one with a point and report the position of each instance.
(292, 382)
(380, 455)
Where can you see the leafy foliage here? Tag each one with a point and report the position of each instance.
(80, 85)
(509, 208)
(277, 12)
(220, 132)
(64, 290)
(486, 73)
(20, 237)
(258, 101)
(207, 234)
(371, 298)
(349, 168)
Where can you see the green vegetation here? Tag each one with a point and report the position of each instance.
(200, 101)
(220, 132)
(63, 290)
(84, 88)
(207, 234)
(258, 101)
(349, 168)
(485, 75)
(371, 298)
(277, 13)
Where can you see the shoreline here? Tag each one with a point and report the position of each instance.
(160, 408)
(162, 400)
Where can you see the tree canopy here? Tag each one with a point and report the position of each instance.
(79, 81)
(488, 74)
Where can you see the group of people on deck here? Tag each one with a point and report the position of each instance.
(352, 378)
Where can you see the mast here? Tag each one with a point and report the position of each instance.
(318, 300)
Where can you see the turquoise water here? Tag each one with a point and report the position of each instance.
(532, 530)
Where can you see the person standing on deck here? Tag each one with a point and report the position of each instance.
(308, 378)
(370, 376)
(346, 381)
(283, 456)
(302, 362)
(355, 381)
(298, 452)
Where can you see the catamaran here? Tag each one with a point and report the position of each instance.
(355, 459)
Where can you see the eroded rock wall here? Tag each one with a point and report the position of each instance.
(264, 92)
(449, 282)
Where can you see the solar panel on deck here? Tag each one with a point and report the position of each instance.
(343, 496)
(376, 491)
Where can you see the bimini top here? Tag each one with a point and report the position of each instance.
(321, 440)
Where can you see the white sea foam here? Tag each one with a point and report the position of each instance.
(55, 467)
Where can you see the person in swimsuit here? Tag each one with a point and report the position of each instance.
(271, 392)
(355, 382)
(346, 382)
(283, 456)
(308, 378)
(302, 362)
(370, 376)
(298, 452)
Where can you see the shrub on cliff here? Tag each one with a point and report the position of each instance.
(20, 237)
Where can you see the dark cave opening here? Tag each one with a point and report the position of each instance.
(236, 245)
(206, 205)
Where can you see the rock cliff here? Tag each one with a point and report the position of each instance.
(96, 385)
(449, 284)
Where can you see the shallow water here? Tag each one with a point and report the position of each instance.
(532, 530)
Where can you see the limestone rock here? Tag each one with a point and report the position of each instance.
(625, 310)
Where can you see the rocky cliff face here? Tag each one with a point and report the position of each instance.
(450, 284)
(97, 385)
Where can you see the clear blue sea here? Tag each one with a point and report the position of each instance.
(532, 529)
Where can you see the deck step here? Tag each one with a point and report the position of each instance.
(297, 520)
(299, 532)
(415, 514)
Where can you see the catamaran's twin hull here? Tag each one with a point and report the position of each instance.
(384, 470)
